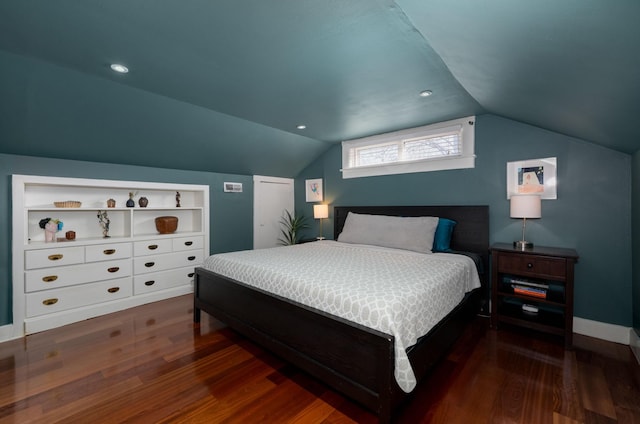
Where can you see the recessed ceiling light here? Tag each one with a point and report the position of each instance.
(119, 68)
(301, 127)
(426, 93)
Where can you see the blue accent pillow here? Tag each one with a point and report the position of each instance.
(442, 238)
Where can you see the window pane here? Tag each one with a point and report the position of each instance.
(375, 155)
(425, 148)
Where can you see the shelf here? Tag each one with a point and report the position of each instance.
(93, 209)
(544, 317)
(532, 324)
(530, 299)
(555, 291)
(77, 241)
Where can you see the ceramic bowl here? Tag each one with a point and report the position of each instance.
(166, 224)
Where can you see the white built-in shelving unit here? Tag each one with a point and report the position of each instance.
(56, 283)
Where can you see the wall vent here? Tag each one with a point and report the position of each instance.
(233, 187)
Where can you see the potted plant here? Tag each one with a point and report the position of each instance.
(291, 228)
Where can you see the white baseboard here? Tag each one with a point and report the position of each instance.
(601, 330)
(7, 333)
(635, 344)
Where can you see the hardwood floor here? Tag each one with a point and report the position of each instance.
(150, 364)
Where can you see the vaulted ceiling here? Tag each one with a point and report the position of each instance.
(222, 85)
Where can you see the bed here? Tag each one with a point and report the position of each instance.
(354, 359)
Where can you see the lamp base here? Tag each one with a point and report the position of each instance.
(522, 245)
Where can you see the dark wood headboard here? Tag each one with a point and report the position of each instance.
(471, 233)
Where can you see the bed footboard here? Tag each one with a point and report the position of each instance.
(353, 359)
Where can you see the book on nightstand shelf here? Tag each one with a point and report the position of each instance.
(527, 288)
(529, 291)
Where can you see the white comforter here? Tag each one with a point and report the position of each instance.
(398, 292)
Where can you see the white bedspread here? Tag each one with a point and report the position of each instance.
(398, 292)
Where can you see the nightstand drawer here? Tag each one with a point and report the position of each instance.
(538, 266)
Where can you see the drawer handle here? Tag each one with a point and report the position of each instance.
(529, 265)
(152, 247)
(114, 269)
(113, 289)
(49, 278)
(149, 264)
(191, 258)
(49, 302)
(149, 283)
(55, 257)
(188, 243)
(109, 251)
(191, 274)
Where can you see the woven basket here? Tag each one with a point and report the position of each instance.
(68, 204)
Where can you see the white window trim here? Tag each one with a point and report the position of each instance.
(465, 160)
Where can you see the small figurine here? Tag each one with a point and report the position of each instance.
(177, 199)
(50, 227)
(111, 203)
(104, 220)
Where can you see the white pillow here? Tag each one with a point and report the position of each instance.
(409, 233)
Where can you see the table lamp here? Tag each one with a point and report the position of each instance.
(320, 212)
(525, 206)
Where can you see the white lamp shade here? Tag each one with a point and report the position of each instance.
(526, 206)
(320, 211)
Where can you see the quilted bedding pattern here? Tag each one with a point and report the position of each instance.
(398, 292)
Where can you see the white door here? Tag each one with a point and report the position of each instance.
(271, 197)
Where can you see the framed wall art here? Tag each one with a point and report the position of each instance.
(535, 176)
(314, 190)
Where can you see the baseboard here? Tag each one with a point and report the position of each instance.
(635, 344)
(601, 330)
(7, 333)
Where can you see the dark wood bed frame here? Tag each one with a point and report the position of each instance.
(352, 359)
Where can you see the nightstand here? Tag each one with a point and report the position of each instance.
(533, 288)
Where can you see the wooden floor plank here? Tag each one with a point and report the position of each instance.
(152, 364)
(594, 391)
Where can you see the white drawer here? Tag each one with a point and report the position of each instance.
(47, 302)
(105, 252)
(49, 278)
(188, 243)
(155, 263)
(151, 247)
(163, 280)
(58, 256)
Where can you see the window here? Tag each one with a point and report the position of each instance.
(446, 145)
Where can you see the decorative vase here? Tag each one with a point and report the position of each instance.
(50, 230)
(166, 224)
(143, 202)
(131, 203)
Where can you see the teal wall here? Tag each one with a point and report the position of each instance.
(592, 213)
(635, 226)
(231, 214)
